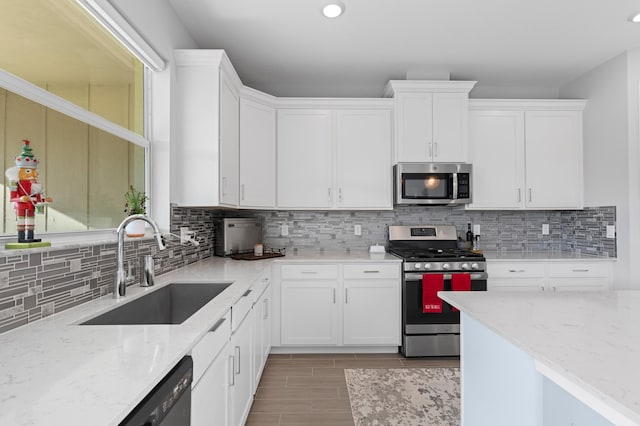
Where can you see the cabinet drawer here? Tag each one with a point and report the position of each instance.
(206, 350)
(309, 272)
(578, 269)
(241, 308)
(372, 271)
(259, 287)
(516, 270)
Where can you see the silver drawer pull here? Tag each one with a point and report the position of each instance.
(580, 270)
(371, 272)
(246, 293)
(309, 272)
(517, 270)
(237, 357)
(232, 378)
(217, 324)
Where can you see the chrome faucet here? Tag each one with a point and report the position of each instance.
(120, 286)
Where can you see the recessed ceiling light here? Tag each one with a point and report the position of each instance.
(333, 9)
(635, 18)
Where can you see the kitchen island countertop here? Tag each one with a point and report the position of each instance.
(586, 342)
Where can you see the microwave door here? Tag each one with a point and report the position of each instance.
(427, 186)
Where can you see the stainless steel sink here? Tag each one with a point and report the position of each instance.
(172, 304)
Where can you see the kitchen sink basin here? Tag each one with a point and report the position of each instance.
(171, 304)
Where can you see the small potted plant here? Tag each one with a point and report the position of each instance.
(135, 203)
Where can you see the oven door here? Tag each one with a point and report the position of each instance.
(448, 321)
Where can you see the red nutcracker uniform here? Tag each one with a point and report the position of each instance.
(26, 194)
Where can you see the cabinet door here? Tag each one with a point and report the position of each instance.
(261, 335)
(229, 144)
(450, 125)
(414, 127)
(496, 146)
(364, 159)
(308, 312)
(210, 397)
(257, 155)
(305, 156)
(553, 159)
(521, 284)
(242, 376)
(371, 313)
(578, 284)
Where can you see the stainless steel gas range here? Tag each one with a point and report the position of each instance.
(433, 262)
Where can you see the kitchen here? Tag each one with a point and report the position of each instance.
(337, 225)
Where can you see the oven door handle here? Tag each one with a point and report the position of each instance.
(474, 276)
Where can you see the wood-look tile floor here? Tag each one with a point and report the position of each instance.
(310, 389)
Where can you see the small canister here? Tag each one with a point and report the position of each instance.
(258, 250)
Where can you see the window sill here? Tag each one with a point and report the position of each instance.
(63, 241)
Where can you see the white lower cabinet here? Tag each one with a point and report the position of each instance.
(261, 331)
(229, 360)
(344, 305)
(241, 391)
(549, 275)
(211, 376)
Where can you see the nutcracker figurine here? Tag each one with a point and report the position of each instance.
(27, 197)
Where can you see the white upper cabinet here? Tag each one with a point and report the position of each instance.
(363, 159)
(430, 120)
(205, 153)
(305, 151)
(257, 150)
(335, 157)
(526, 154)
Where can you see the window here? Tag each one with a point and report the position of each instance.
(86, 163)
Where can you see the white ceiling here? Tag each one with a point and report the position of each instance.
(287, 48)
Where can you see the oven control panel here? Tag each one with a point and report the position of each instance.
(467, 266)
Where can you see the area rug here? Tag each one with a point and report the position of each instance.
(404, 396)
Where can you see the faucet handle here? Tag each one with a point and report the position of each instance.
(129, 278)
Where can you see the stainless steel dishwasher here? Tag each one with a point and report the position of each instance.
(169, 403)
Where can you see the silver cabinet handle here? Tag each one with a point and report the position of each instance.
(435, 150)
(346, 296)
(553, 288)
(329, 194)
(371, 272)
(334, 296)
(517, 270)
(224, 186)
(265, 308)
(580, 270)
(430, 149)
(242, 192)
(309, 272)
(542, 288)
(529, 194)
(232, 379)
(237, 370)
(217, 324)
(246, 293)
(340, 194)
(519, 195)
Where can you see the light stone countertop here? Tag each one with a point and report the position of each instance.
(588, 341)
(561, 256)
(55, 372)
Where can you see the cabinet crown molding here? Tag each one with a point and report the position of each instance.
(413, 86)
(527, 104)
(334, 103)
(208, 57)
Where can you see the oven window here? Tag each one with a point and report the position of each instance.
(427, 185)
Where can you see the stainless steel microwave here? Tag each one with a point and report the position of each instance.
(432, 183)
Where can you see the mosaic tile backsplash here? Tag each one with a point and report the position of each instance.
(38, 284)
(578, 231)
